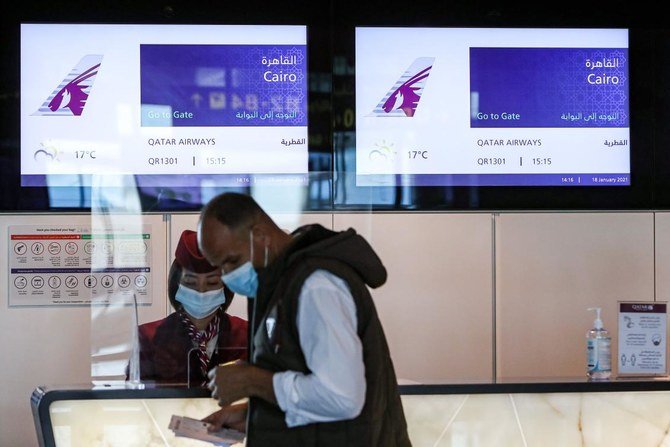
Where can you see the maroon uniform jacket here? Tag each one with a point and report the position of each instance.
(167, 354)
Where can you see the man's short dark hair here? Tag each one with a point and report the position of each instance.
(234, 210)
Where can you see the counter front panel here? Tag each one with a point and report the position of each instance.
(617, 413)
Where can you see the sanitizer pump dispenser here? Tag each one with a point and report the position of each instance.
(598, 350)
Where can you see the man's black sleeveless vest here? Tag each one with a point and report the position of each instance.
(276, 344)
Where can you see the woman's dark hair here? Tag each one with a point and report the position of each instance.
(174, 276)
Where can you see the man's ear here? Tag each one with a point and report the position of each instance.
(198, 235)
(260, 232)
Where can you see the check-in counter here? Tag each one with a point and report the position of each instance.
(572, 412)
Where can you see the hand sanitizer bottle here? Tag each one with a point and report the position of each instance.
(598, 350)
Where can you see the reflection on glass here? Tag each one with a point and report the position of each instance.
(115, 269)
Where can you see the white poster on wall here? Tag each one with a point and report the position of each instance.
(78, 265)
(642, 338)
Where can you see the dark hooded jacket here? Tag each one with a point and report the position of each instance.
(347, 255)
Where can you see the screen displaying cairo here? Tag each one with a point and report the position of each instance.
(169, 103)
(492, 107)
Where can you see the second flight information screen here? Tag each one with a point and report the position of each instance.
(492, 107)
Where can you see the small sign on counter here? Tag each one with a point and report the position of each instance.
(642, 338)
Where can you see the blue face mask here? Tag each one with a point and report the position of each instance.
(244, 279)
(200, 304)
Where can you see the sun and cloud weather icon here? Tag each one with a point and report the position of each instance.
(382, 153)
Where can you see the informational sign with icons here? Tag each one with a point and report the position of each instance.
(642, 338)
(78, 265)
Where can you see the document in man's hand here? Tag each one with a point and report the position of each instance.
(197, 429)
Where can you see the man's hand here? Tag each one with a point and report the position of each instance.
(236, 380)
(230, 382)
(232, 416)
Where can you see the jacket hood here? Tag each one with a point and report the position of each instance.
(347, 247)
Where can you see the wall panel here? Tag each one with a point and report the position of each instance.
(662, 253)
(550, 267)
(436, 306)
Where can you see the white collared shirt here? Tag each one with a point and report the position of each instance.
(327, 327)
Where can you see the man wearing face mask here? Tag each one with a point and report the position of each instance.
(199, 334)
(320, 371)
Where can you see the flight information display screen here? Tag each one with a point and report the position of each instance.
(172, 104)
(492, 107)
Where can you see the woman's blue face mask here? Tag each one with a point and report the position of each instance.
(200, 304)
(244, 280)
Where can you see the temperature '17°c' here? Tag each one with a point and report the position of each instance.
(84, 154)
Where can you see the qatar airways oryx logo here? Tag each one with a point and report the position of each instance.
(69, 98)
(403, 98)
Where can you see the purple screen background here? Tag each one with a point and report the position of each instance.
(544, 84)
(171, 75)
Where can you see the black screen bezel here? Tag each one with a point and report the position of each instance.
(644, 73)
(15, 197)
(330, 27)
